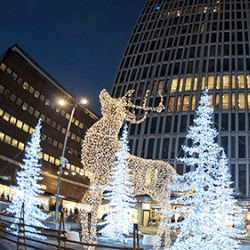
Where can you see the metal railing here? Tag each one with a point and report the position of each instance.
(56, 239)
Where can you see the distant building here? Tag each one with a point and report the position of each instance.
(178, 48)
(27, 93)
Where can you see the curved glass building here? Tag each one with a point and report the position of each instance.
(179, 47)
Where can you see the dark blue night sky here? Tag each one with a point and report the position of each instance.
(78, 42)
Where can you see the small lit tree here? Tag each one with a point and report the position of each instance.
(28, 191)
(212, 216)
(117, 222)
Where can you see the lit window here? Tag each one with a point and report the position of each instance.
(40, 154)
(25, 127)
(37, 94)
(225, 81)
(171, 104)
(31, 130)
(51, 159)
(3, 67)
(81, 125)
(210, 82)
(241, 101)
(46, 157)
(185, 106)
(217, 101)
(160, 86)
(225, 101)
(1, 136)
(78, 139)
(248, 100)
(178, 104)
(25, 106)
(47, 102)
(19, 124)
(31, 90)
(73, 136)
(217, 82)
(181, 84)
(14, 143)
(233, 100)
(233, 81)
(174, 85)
(248, 81)
(67, 116)
(63, 130)
(203, 83)
(21, 146)
(241, 82)
(53, 124)
(60, 145)
(25, 86)
(188, 83)
(73, 167)
(1, 112)
(195, 83)
(6, 116)
(76, 122)
(67, 165)
(57, 162)
(193, 102)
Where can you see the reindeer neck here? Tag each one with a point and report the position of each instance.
(109, 127)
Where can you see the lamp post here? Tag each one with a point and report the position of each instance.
(63, 160)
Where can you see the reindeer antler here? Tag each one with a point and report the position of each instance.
(131, 117)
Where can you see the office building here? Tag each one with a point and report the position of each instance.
(179, 47)
(28, 93)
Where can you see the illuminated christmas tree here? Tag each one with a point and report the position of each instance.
(117, 222)
(212, 217)
(28, 191)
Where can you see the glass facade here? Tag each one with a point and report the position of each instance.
(177, 48)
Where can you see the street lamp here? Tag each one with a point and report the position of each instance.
(63, 160)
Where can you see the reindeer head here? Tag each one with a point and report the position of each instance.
(123, 109)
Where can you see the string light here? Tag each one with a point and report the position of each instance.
(99, 149)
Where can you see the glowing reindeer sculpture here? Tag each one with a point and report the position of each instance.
(98, 154)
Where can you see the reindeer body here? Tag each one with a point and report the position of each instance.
(99, 153)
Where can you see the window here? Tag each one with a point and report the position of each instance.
(25, 86)
(225, 81)
(174, 85)
(242, 178)
(210, 82)
(241, 82)
(171, 104)
(19, 124)
(31, 89)
(241, 122)
(6, 116)
(242, 147)
(26, 127)
(165, 148)
(150, 148)
(14, 143)
(188, 84)
(21, 146)
(241, 101)
(25, 106)
(225, 101)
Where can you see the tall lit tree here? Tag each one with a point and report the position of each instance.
(27, 189)
(212, 216)
(117, 221)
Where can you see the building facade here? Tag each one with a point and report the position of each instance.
(177, 48)
(28, 93)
